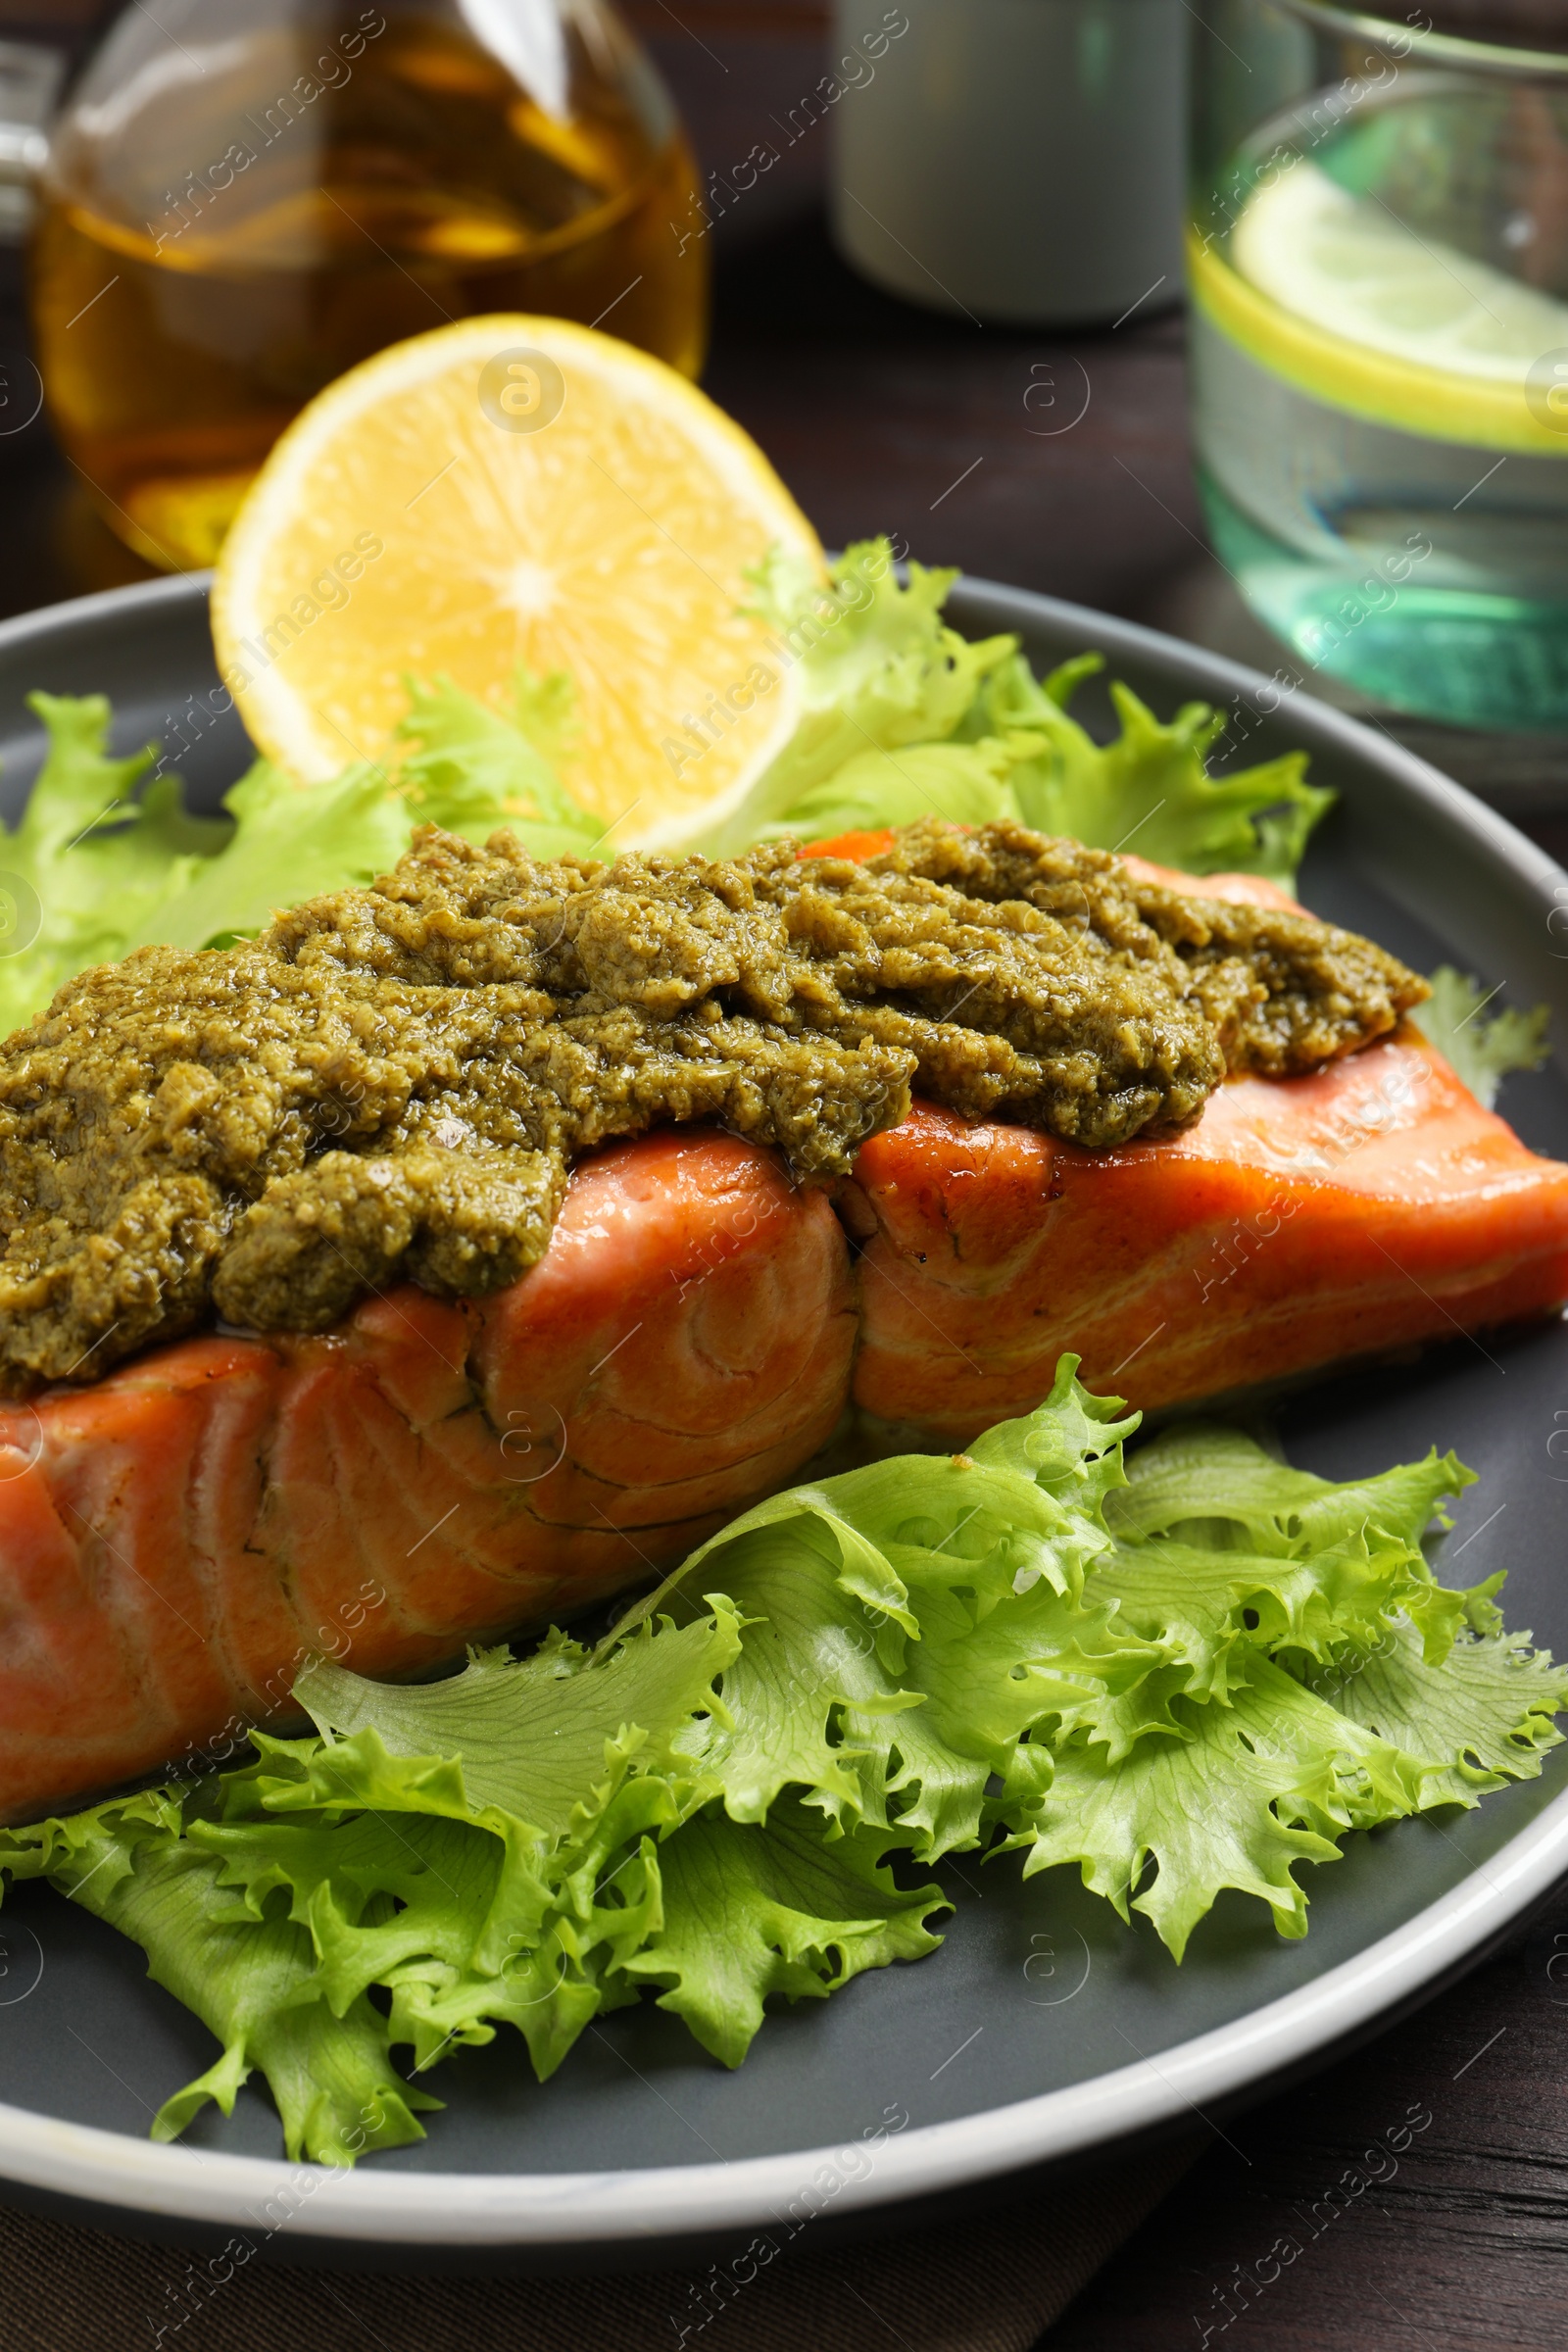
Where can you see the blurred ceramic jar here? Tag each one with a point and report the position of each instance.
(1015, 159)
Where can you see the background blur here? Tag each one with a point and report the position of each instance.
(1055, 461)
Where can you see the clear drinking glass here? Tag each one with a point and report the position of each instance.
(1379, 261)
(245, 197)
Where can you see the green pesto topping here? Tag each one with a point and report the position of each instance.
(395, 1081)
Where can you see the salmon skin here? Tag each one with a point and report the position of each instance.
(176, 1539)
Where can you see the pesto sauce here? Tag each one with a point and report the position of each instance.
(395, 1081)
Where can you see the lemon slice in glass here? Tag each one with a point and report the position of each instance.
(506, 491)
(1333, 292)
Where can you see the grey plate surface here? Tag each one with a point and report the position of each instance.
(1044, 2029)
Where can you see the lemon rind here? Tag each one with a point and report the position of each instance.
(1429, 402)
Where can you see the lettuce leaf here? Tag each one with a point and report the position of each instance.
(964, 783)
(458, 1910)
(1248, 1548)
(106, 860)
(1179, 1675)
(901, 719)
(96, 848)
(1468, 1721)
(875, 669)
(531, 1731)
(1241, 1794)
(1148, 790)
(476, 769)
(750, 1913)
(288, 841)
(244, 1968)
(1480, 1053)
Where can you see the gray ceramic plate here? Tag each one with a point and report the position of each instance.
(1044, 2030)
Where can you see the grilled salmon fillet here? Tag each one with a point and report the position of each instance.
(1301, 1221)
(1370, 1205)
(177, 1538)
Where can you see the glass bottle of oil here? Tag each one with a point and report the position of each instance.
(247, 197)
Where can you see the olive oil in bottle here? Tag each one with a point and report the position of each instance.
(228, 223)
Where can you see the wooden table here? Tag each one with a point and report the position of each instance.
(881, 418)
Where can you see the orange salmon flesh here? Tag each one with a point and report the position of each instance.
(177, 1541)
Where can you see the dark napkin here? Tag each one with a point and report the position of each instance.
(988, 2285)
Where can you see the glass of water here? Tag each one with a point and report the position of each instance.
(1379, 263)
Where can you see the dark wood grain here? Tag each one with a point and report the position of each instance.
(58, 21)
(1086, 492)
(884, 418)
(1415, 2195)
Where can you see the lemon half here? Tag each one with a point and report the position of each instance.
(518, 490)
(1332, 292)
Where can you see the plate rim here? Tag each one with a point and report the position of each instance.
(538, 2210)
(646, 2205)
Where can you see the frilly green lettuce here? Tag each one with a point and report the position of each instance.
(903, 719)
(787, 1912)
(875, 670)
(97, 848)
(474, 768)
(107, 858)
(1192, 1672)
(1481, 1052)
(248, 1970)
(288, 843)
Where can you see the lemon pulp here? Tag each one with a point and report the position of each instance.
(517, 491)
